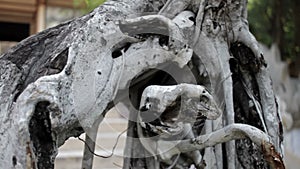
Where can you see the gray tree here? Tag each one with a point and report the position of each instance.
(189, 71)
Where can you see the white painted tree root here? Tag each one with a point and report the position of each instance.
(234, 132)
(100, 62)
(156, 99)
(228, 133)
(194, 98)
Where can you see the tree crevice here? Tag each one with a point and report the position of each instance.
(41, 136)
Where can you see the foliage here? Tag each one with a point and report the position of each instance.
(259, 13)
(89, 4)
(273, 21)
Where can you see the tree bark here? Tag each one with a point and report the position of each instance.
(57, 83)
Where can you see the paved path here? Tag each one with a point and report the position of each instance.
(70, 154)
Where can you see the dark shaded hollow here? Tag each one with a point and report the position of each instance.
(43, 67)
(137, 86)
(118, 51)
(244, 66)
(41, 136)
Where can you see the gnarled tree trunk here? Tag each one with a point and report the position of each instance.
(60, 83)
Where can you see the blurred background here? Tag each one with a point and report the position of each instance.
(275, 24)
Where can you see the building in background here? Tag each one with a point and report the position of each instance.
(22, 18)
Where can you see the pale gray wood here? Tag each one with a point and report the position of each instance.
(57, 83)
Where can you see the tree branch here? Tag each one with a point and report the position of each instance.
(234, 132)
